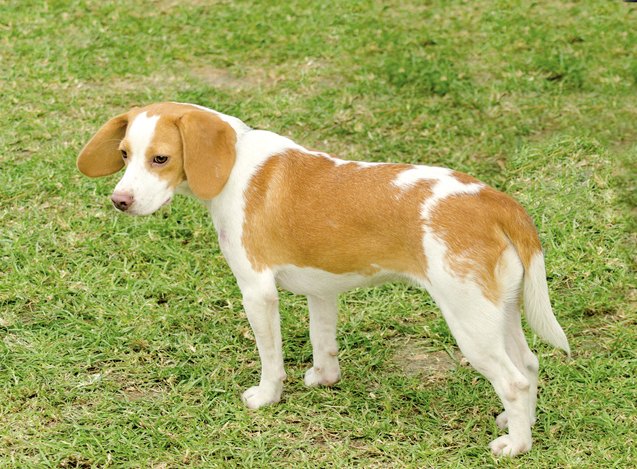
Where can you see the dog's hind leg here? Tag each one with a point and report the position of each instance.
(524, 359)
(482, 327)
(480, 330)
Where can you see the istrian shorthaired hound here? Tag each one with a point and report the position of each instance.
(318, 226)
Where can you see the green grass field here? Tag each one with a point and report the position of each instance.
(123, 341)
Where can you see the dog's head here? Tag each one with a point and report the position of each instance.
(162, 146)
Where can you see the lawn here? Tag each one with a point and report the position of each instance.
(123, 341)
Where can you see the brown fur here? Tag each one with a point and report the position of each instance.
(168, 145)
(478, 228)
(209, 152)
(304, 210)
(464, 178)
(101, 156)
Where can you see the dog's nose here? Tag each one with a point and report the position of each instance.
(122, 200)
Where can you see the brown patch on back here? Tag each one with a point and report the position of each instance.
(305, 210)
(477, 228)
(464, 178)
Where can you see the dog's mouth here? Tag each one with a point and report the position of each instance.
(137, 210)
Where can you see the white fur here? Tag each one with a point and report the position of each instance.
(446, 187)
(411, 176)
(488, 334)
(310, 281)
(148, 190)
(537, 306)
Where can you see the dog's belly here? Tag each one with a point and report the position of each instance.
(317, 282)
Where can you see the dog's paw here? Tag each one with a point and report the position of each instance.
(502, 421)
(505, 446)
(316, 377)
(262, 395)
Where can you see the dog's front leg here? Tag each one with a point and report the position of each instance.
(323, 318)
(262, 308)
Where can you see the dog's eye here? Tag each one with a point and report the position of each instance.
(124, 154)
(160, 159)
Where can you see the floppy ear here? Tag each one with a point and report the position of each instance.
(101, 155)
(208, 151)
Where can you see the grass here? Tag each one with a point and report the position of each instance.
(123, 339)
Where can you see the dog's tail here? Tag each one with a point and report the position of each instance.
(521, 232)
(537, 304)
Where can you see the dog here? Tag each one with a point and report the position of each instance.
(318, 226)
